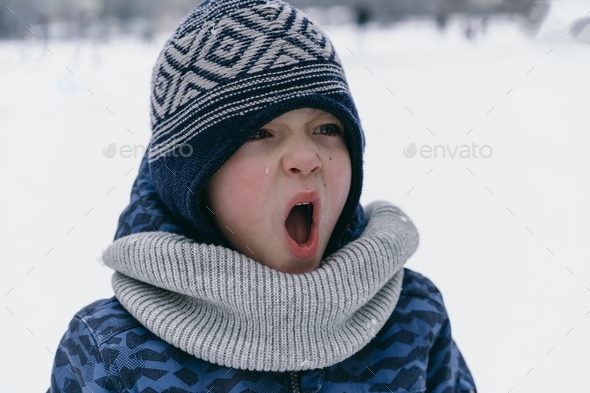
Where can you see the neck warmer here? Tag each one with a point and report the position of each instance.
(225, 308)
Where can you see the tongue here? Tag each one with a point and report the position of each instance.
(299, 223)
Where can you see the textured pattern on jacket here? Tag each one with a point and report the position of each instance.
(106, 350)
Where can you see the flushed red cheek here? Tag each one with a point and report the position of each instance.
(340, 176)
(245, 177)
(251, 192)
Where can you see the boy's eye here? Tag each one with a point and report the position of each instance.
(260, 134)
(329, 129)
(324, 129)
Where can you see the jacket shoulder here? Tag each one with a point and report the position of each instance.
(106, 319)
(136, 360)
(419, 314)
(416, 285)
(413, 352)
(418, 317)
(78, 360)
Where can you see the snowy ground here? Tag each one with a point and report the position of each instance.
(504, 237)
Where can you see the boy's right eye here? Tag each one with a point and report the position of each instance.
(260, 134)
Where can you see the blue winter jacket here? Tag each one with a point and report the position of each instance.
(105, 349)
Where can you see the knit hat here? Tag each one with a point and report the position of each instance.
(230, 68)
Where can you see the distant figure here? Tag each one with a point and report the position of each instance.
(363, 14)
(441, 14)
(444, 9)
(82, 23)
(469, 31)
(441, 20)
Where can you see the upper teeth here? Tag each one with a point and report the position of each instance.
(303, 203)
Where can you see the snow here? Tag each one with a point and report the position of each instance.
(504, 238)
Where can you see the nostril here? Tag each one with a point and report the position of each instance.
(297, 170)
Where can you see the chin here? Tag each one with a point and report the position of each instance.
(299, 269)
(297, 266)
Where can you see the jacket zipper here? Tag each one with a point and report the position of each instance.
(294, 382)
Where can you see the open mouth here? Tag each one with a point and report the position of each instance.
(301, 224)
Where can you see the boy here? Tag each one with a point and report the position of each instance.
(244, 261)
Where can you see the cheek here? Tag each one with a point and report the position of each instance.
(340, 173)
(237, 191)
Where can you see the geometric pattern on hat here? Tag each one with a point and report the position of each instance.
(242, 43)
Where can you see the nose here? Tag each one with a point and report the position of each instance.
(301, 157)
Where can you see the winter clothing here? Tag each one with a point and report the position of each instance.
(231, 67)
(107, 350)
(228, 309)
(192, 315)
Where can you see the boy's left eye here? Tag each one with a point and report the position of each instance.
(260, 134)
(329, 129)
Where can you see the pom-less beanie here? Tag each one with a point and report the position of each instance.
(230, 68)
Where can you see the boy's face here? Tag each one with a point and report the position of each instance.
(298, 157)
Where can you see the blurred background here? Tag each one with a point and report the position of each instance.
(503, 233)
(102, 20)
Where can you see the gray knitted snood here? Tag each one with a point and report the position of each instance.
(225, 308)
